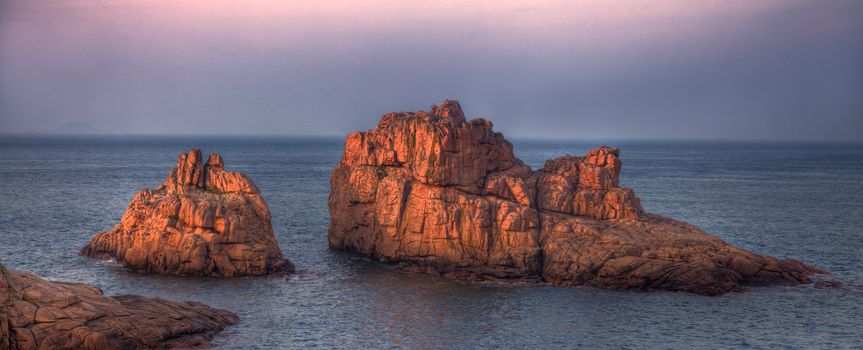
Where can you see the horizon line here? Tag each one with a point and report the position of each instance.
(512, 137)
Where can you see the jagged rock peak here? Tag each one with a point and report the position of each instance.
(215, 161)
(192, 173)
(448, 112)
(437, 147)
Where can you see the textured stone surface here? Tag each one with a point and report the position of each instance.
(38, 314)
(434, 192)
(203, 220)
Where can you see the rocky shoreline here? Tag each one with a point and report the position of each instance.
(39, 314)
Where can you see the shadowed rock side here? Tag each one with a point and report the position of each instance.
(434, 192)
(203, 220)
(38, 314)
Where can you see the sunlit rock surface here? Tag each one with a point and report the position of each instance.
(434, 192)
(203, 220)
(38, 314)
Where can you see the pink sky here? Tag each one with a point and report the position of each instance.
(113, 63)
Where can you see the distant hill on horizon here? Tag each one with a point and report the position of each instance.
(75, 128)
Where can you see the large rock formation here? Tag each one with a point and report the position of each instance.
(38, 314)
(432, 191)
(203, 220)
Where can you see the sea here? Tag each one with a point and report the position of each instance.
(799, 200)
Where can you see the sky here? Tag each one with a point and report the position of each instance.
(636, 69)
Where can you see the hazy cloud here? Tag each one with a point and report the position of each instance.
(647, 69)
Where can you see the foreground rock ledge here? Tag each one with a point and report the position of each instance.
(203, 221)
(38, 314)
(433, 192)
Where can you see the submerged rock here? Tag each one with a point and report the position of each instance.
(203, 220)
(435, 192)
(829, 285)
(38, 314)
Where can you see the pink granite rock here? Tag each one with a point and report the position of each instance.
(434, 192)
(203, 220)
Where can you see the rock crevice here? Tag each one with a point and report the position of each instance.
(434, 192)
(203, 220)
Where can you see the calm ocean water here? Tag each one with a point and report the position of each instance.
(789, 200)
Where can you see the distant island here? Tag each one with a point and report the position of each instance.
(75, 128)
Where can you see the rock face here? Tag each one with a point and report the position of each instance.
(202, 221)
(434, 192)
(38, 314)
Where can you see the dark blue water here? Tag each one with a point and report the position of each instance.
(789, 200)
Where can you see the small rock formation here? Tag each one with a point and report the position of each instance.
(829, 285)
(38, 314)
(434, 192)
(203, 221)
